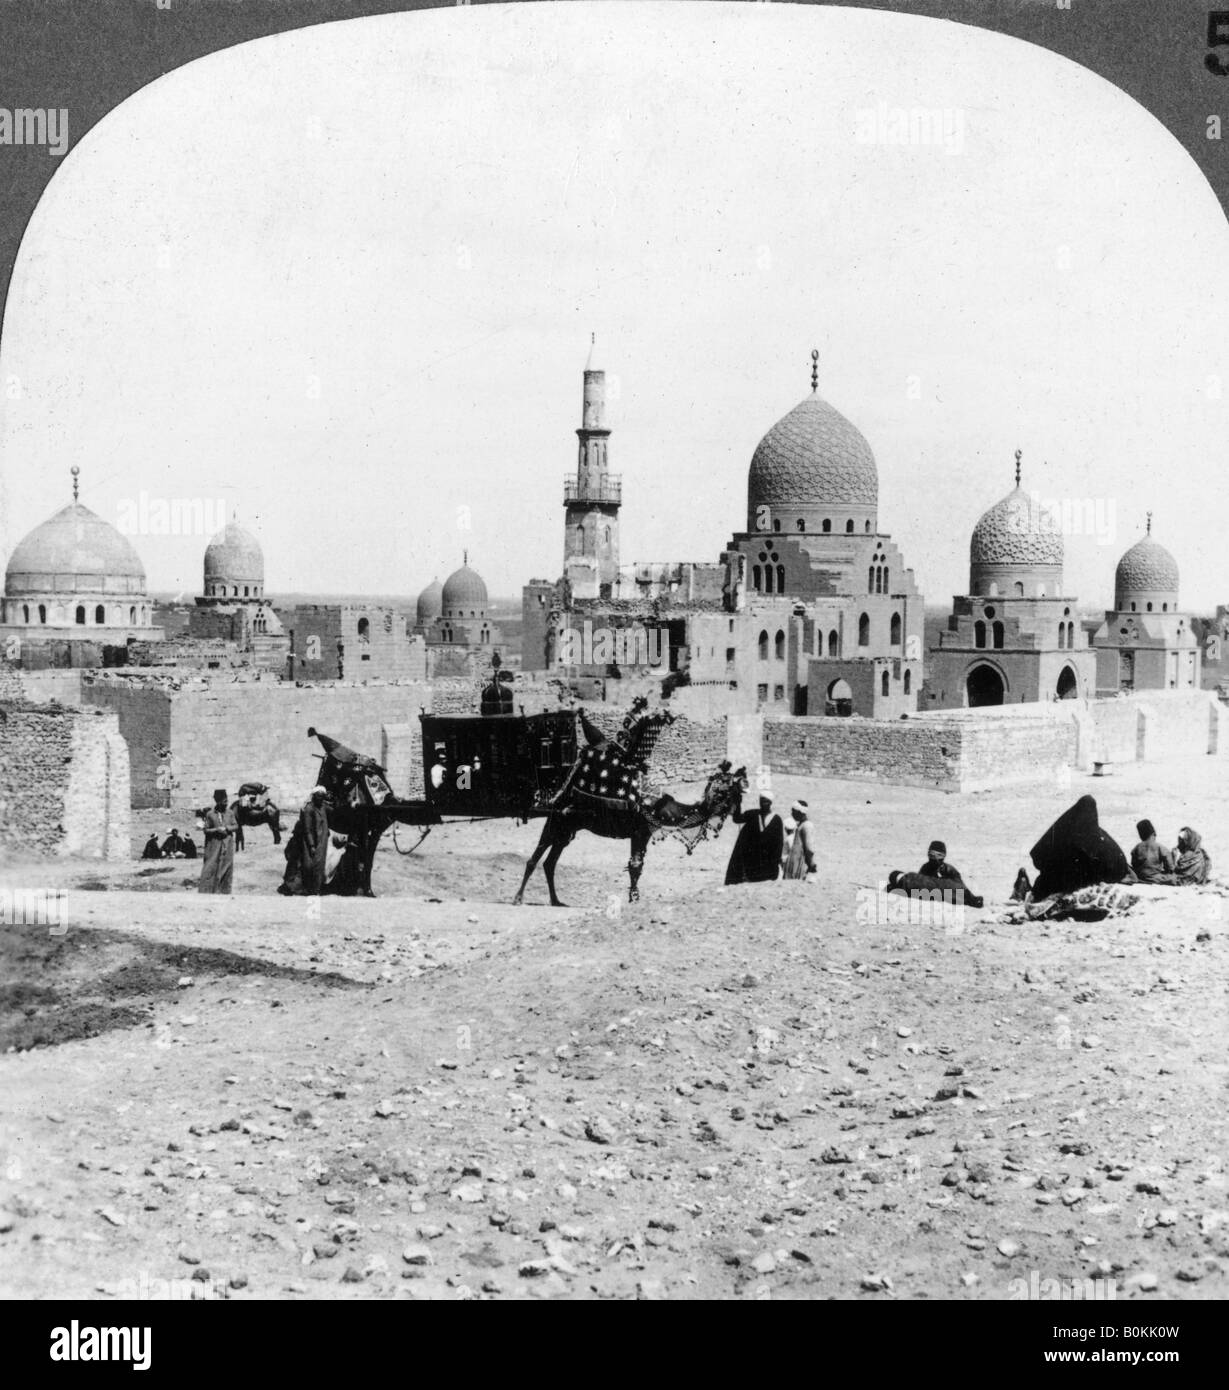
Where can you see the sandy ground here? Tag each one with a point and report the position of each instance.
(771, 1091)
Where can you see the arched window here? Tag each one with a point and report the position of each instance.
(1018, 589)
(364, 630)
(883, 684)
(870, 579)
(1062, 636)
(868, 528)
(864, 631)
(763, 646)
(886, 586)
(994, 589)
(608, 535)
(100, 615)
(849, 526)
(1132, 608)
(1071, 634)
(979, 633)
(833, 643)
(802, 526)
(25, 612)
(894, 637)
(908, 681)
(756, 578)
(1164, 608)
(779, 646)
(768, 579)
(42, 612)
(998, 634)
(1149, 608)
(780, 579)
(132, 615)
(827, 525)
(81, 613)
(776, 523)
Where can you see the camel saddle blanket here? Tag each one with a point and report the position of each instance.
(605, 775)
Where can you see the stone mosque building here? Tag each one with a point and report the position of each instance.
(74, 593)
(810, 609)
(1145, 643)
(231, 605)
(1016, 636)
(454, 621)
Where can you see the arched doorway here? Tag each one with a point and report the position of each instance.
(984, 687)
(839, 701)
(1068, 687)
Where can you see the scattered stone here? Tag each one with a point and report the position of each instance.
(417, 1254)
(112, 1216)
(467, 1192)
(1008, 1248)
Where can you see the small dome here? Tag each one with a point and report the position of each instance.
(430, 603)
(77, 545)
(234, 555)
(1012, 533)
(1146, 568)
(813, 457)
(464, 588)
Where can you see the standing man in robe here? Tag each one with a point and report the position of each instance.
(218, 864)
(759, 847)
(800, 856)
(313, 842)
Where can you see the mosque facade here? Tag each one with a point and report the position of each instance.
(74, 594)
(1016, 636)
(454, 621)
(810, 609)
(232, 606)
(1145, 642)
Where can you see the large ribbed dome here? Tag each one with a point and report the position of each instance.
(1146, 568)
(813, 457)
(464, 588)
(430, 603)
(235, 556)
(1013, 532)
(80, 550)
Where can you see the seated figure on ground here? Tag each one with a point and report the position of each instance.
(1193, 864)
(937, 867)
(1076, 853)
(1150, 860)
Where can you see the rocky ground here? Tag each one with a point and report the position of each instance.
(777, 1091)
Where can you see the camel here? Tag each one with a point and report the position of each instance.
(616, 765)
(361, 804)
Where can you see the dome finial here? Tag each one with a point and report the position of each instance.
(1018, 453)
(465, 557)
(814, 369)
(74, 470)
(1149, 531)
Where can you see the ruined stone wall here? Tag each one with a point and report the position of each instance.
(225, 735)
(143, 709)
(909, 752)
(63, 782)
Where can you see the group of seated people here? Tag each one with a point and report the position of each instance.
(1151, 862)
(175, 846)
(1074, 856)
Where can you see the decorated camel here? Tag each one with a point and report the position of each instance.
(603, 794)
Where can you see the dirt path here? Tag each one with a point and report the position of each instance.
(773, 1091)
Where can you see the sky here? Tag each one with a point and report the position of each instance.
(343, 281)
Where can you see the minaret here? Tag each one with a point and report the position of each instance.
(591, 500)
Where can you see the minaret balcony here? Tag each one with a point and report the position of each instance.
(608, 488)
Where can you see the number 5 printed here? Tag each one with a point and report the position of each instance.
(1218, 37)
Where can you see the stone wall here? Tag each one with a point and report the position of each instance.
(225, 735)
(63, 782)
(1010, 745)
(909, 752)
(143, 709)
